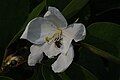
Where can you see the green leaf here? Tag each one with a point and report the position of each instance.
(5, 78)
(63, 76)
(102, 53)
(46, 73)
(37, 75)
(12, 15)
(114, 71)
(85, 13)
(73, 7)
(58, 3)
(35, 13)
(82, 16)
(77, 72)
(100, 6)
(108, 33)
(88, 74)
(92, 62)
(105, 36)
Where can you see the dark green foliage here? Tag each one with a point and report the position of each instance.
(96, 58)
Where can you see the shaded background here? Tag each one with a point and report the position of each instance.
(13, 15)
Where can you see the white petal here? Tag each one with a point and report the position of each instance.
(51, 50)
(75, 31)
(66, 44)
(78, 31)
(63, 61)
(68, 32)
(37, 29)
(36, 55)
(54, 15)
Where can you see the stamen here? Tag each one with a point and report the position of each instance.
(55, 37)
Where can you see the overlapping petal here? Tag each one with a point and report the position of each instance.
(36, 55)
(63, 61)
(37, 29)
(45, 32)
(65, 44)
(78, 31)
(55, 16)
(51, 50)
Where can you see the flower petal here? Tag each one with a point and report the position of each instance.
(75, 31)
(51, 50)
(78, 31)
(36, 55)
(37, 29)
(63, 61)
(66, 44)
(54, 15)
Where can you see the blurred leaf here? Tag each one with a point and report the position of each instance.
(101, 53)
(105, 36)
(85, 13)
(108, 32)
(73, 7)
(37, 75)
(99, 6)
(35, 13)
(114, 71)
(81, 16)
(77, 72)
(63, 76)
(5, 78)
(88, 75)
(58, 3)
(93, 63)
(112, 15)
(12, 15)
(46, 73)
(34, 3)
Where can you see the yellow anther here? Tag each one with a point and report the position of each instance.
(47, 39)
(57, 34)
(59, 31)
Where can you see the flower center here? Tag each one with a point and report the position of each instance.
(55, 37)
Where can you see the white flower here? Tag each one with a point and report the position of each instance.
(52, 36)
